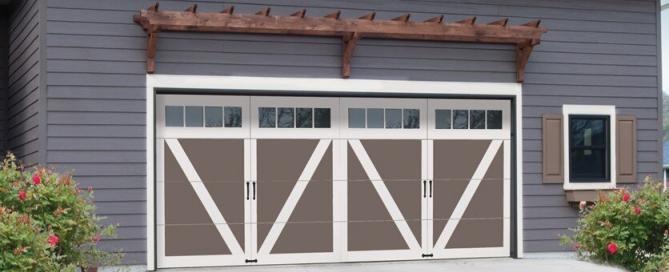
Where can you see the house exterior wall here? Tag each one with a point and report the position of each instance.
(4, 50)
(24, 93)
(596, 52)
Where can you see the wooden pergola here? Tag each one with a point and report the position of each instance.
(524, 36)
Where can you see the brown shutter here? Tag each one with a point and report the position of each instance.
(553, 158)
(626, 149)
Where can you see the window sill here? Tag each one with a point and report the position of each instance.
(574, 196)
(575, 186)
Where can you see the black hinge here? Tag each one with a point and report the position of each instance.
(428, 255)
(251, 261)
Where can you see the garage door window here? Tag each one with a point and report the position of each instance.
(390, 118)
(288, 117)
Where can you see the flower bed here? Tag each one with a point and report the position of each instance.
(628, 229)
(47, 223)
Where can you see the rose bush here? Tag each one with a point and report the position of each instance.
(47, 223)
(629, 229)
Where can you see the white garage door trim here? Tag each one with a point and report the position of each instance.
(320, 85)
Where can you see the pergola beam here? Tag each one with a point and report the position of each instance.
(350, 30)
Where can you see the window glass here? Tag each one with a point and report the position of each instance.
(494, 119)
(393, 118)
(589, 148)
(356, 118)
(174, 116)
(286, 117)
(303, 117)
(460, 119)
(411, 118)
(213, 116)
(194, 116)
(477, 119)
(233, 116)
(374, 118)
(267, 117)
(321, 117)
(442, 119)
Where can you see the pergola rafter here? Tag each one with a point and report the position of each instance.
(524, 36)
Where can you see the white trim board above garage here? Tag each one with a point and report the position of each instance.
(325, 86)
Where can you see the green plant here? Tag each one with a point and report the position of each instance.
(625, 228)
(58, 228)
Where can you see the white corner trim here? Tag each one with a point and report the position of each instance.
(607, 110)
(150, 177)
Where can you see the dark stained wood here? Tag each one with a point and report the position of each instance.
(334, 15)
(438, 19)
(468, 21)
(501, 22)
(369, 16)
(349, 43)
(154, 7)
(300, 13)
(151, 42)
(229, 10)
(191, 9)
(350, 30)
(403, 18)
(522, 56)
(264, 12)
(533, 23)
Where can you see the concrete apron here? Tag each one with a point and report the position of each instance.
(543, 262)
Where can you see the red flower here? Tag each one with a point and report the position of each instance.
(52, 240)
(577, 245)
(626, 197)
(22, 195)
(612, 248)
(637, 210)
(37, 179)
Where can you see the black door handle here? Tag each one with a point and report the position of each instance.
(247, 190)
(254, 190)
(430, 188)
(424, 189)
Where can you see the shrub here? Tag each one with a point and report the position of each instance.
(629, 229)
(47, 223)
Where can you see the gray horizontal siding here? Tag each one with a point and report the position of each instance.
(4, 71)
(23, 96)
(597, 52)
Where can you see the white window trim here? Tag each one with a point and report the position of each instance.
(315, 85)
(610, 111)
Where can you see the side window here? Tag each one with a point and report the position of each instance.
(589, 138)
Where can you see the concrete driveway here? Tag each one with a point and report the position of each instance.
(532, 263)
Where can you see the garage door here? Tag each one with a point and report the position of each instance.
(273, 180)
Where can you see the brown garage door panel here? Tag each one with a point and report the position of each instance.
(370, 226)
(309, 228)
(454, 164)
(188, 230)
(482, 222)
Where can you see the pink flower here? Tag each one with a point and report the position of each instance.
(626, 197)
(90, 189)
(96, 238)
(612, 248)
(22, 195)
(37, 179)
(52, 240)
(577, 245)
(637, 210)
(581, 205)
